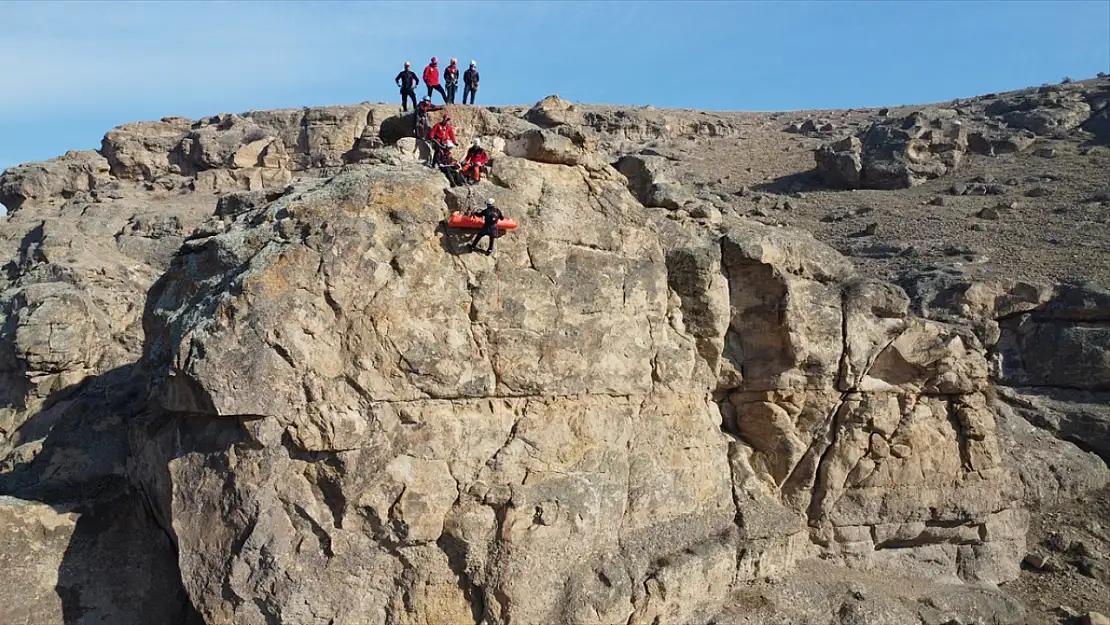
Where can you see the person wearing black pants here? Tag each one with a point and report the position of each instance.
(431, 79)
(451, 80)
(407, 81)
(470, 82)
(492, 215)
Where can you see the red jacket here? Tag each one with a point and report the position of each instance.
(442, 132)
(431, 75)
(476, 157)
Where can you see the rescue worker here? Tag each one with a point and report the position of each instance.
(431, 79)
(476, 158)
(420, 123)
(449, 165)
(451, 80)
(491, 215)
(407, 81)
(470, 82)
(441, 134)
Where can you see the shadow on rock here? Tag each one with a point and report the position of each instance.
(793, 183)
(65, 495)
(456, 241)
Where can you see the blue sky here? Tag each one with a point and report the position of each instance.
(71, 71)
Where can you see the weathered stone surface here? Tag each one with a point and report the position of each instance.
(1065, 343)
(644, 173)
(142, 150)
(895, 154)
(1044, 112)
(1053, 471)
(552, 111)
(56, 179)
(544, 146)
(995, 141)
(303, 310)
(909, 151)
(829, 595)
(840, 163)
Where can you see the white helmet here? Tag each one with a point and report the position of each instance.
(449, 145)
(474, 63)
(490, 203)
(477, 143)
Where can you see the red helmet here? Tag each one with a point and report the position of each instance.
(446, 117)
(434, 60)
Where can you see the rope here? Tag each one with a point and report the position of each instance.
(497, 333)
(497, 392)
(505, 563)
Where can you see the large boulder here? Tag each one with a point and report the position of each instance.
(1064, 343)
(224, 141)
(544, 146)
(542, 411)
(553, 111)
(53, 180)
(1044, 112)
(840, 163)
(895, 154)
(651, 181)
(992, 141)
(528, 438)
(145, 150)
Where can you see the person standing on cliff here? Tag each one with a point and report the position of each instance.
(451, 80)
(407, 81)
(470, 82)
(431, 79)
(492, 215)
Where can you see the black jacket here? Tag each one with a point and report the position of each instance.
(471, 77)
(407, 80)
(492, 216)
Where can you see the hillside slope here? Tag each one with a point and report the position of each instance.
(819, 367)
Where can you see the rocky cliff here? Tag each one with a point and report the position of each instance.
(248, 376)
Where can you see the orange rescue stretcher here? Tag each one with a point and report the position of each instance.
(459, 220)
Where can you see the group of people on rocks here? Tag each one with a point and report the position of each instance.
(407, 82)
(442, 134)
(443, 140)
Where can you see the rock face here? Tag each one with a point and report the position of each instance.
(248, 376)
(567, 447)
